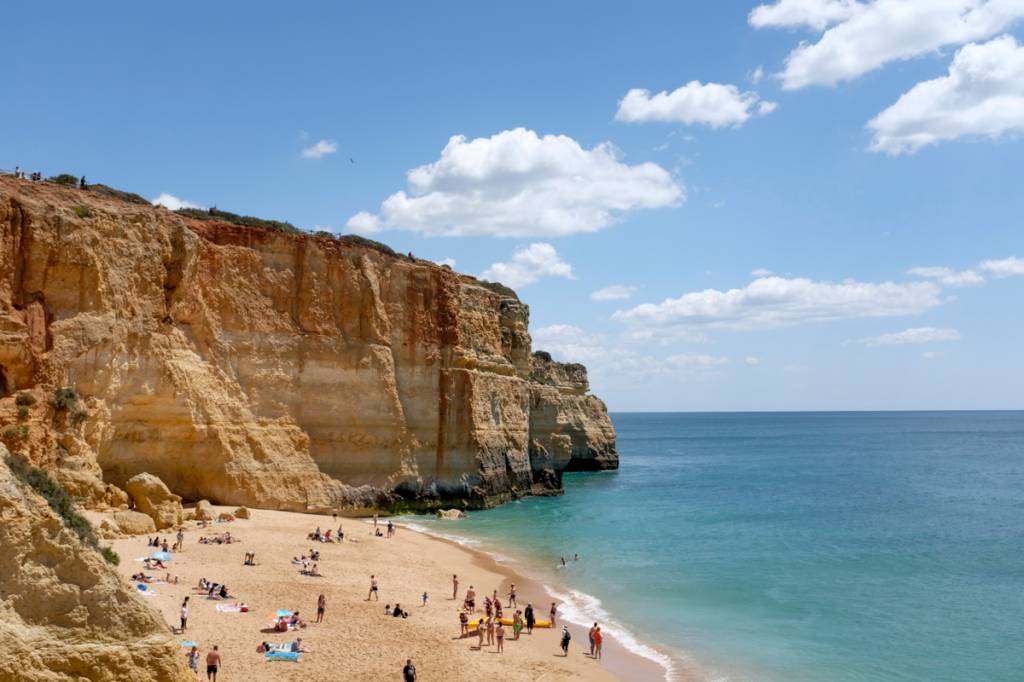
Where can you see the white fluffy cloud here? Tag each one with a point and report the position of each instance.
(761, 272)
(816, 14)
(982, 96)
(948, 276)
(450, 262)
(912, 335)
(616, 292)
(863, 36)
(711, 104)
(320, 149)
(516, 184)
(172, 202)
(527, 265)
(1007, 267)
(777, 301)
(752, 360)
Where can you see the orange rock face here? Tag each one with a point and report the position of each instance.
(254, 367)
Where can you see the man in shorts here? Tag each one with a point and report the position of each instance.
(212, 664)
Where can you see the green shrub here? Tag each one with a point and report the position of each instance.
(79, 416)
(215, 214)
(22, 411)
(356, 240)
(25, 400)
(64, 398)
(64, 179)
(110, 555)
(58, 499)
(82, 211)
(130, 197)
(15, 433)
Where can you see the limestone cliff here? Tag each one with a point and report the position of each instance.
(65, 614)
(257, 367)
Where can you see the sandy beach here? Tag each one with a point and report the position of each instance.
(357, 640)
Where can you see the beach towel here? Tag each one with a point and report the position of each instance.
(161, 556)
(229, 608)
(286, 647)
(283, 655)
(188, 645)
(283, 613)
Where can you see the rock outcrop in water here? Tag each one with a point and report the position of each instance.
(64, 613)
(257, 367)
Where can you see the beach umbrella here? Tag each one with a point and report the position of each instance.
(282, 613)
(161, 556)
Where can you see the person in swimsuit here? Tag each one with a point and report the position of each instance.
(409, 671)
(212, 664)
(455, 587)
(499, 634)
(373, 589)
(490, 631)
(193, 660)
(597, 643)
(554, 611)
(512, 596)
(321, 606)
(184, 614)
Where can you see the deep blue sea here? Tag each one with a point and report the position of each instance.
(787, 547)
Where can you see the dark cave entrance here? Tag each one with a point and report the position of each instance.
(3, 381)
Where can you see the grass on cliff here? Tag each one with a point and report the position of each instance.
(218, 215)
(61, 503)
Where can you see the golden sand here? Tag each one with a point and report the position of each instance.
(356, 641)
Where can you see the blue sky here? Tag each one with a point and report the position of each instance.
(833, 143)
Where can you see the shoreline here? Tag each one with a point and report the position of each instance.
(356, 640)
(622, 661)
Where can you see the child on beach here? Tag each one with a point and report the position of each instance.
(193, 660)
(499, 633)
(481, 630)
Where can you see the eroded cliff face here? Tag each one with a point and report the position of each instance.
(65, 614)
(268, 369)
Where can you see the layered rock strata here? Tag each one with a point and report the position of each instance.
(247, 366)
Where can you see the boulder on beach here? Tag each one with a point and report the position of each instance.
(155, 499)
(226, 516)
(203, 511)
(451, 514)
(134, 523)
(242, 513)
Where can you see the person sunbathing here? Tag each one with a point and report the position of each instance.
(315, 572)
(142, 578)
(297, 648)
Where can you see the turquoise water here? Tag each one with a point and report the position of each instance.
(796, 546)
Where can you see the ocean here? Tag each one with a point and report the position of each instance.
(788, 547)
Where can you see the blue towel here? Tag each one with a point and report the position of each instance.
(283, 655)
(188, 644)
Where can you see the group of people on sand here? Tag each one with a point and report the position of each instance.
(328, 535)
(213, 662)
(218, 539)
(292, 622)
(213, 590)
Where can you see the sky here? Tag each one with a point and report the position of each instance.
(780, 205)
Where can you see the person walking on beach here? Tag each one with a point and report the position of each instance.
(591, 637)
(193, 660)
(554, 612)
(471, 599)
(530, 619)
(512, 596)
(566, 637)
(409, 671)
(499, 633)
(321, 606)
(184, 614)
(373, 589)
(455, 587)
(597, 643)
(213, 664)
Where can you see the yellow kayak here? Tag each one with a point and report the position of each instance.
(508, 621)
